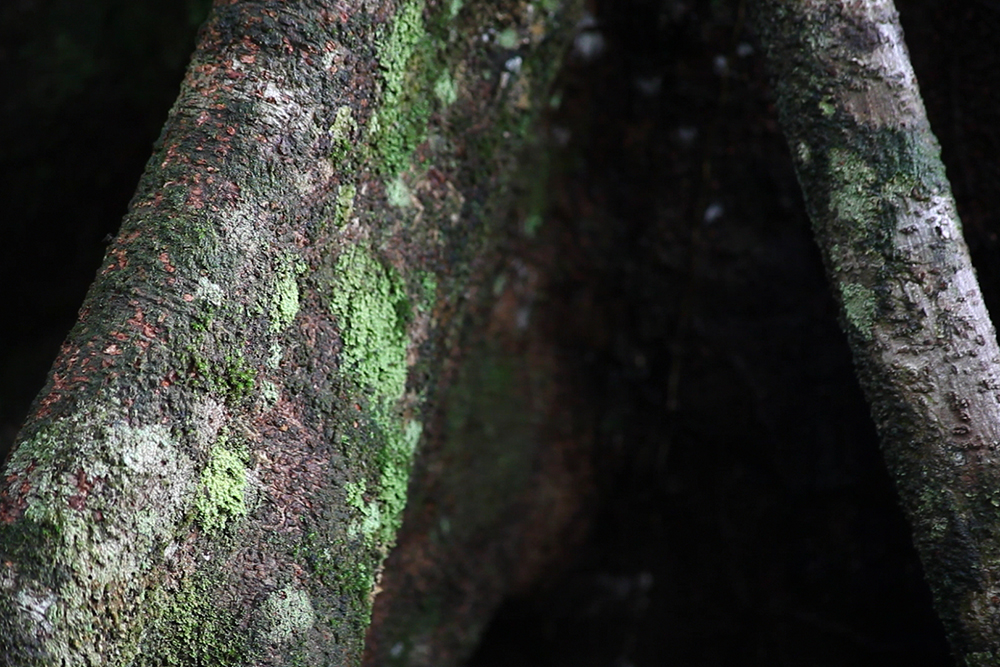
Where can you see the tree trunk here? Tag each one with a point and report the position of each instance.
(217, 466)
(924, 346)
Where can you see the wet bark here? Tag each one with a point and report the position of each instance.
(217, 466)
(924, 345)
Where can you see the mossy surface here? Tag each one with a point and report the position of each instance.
(193, 630)
(372, 310)
(221, 499)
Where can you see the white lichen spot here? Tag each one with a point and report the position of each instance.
(803, 152)
(209, 291)
(445, 89)
(589, 45)
(275, 355)
(290, 613)
(398, 194)
(269, 392)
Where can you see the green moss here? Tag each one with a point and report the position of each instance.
(371, 309)
(221, 495)
(232, 378)
(428, 289)
(195, 631)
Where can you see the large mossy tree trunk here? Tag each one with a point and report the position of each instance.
(217, 466)
(923, 343)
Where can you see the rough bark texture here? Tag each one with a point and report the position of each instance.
(923, 342)
(217, 466)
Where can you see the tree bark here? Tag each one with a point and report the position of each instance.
(924, 345)
(217, 466)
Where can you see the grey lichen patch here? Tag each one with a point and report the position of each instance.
(859, 307)
(851, 199)
(289, 612)
(269, 392)
(78, 471)
(221, 500)
(371, 309)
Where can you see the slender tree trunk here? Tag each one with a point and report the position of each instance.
(924, 346)
(217, 466)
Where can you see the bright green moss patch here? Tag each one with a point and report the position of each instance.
(221, 494)
(372, 310)
(285, 304)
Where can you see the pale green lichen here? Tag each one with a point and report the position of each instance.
(399, 125)
(78, 469)
(445, 89)
(397, 194)
(851, 198)
(454, 7)
(221, 499)
(269, 392)
(859, 307)
(371, 309)
(289, 612)
(285, 303)
(275, 354)
(345, 204)
(395, 476)
(371, 516)
(341, 134)
(509, 39)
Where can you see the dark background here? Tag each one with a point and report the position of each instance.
(743, 513)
